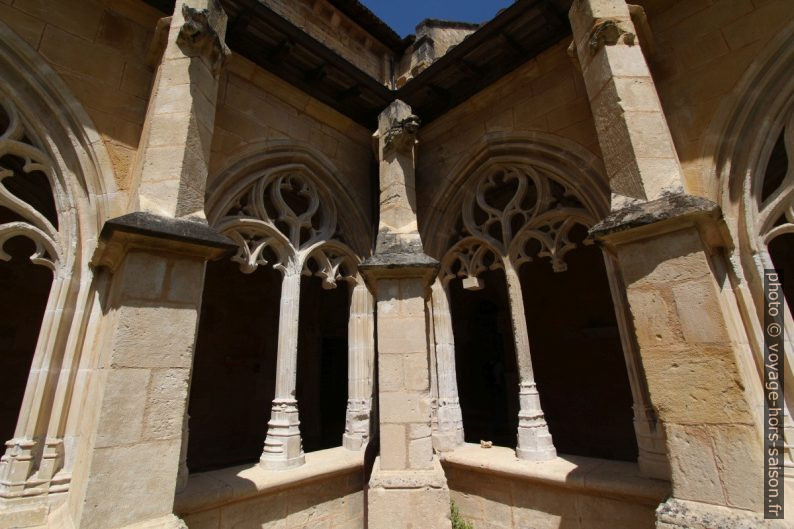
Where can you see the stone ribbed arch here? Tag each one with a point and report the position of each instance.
(555, 185)
(740, 141)
(51, 132)
(286, 207)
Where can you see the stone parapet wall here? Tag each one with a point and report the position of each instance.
(494, 490)
(326, 492)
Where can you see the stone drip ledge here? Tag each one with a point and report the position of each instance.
(600, 477)
(207, 490)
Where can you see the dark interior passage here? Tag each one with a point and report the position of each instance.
(322, 364)
(781, 249)
(234, 371)
(485, 361)
(577, 356)
(25, 289)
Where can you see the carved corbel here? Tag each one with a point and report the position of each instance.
(199, 37)
(401, 136)
(609, 32)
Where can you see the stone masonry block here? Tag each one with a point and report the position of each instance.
(404, 407)
(700, 312)
(393, 446)
(143, 276)
(694, 469)
(154, 337)
(121, 415)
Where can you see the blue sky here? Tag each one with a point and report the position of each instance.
(404, 15)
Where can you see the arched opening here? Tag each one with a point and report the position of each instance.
(577, 355)
(25, 286)
(234, 368)
(25, 289)
(485, 360)
(322, 364)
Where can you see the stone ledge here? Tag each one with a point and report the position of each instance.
(154, 233)
(669, 207)
(601, 477)
(181, 230)
(207, 490)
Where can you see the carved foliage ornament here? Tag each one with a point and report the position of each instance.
(21, 158)
(282, 220)
(515, 214)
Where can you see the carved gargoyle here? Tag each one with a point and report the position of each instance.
(402, 135)
(198, 38)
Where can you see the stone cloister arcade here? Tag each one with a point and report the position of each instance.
(533, 312)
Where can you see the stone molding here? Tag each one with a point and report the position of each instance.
(644, 220)
(148, 231)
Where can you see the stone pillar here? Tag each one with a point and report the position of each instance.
(534, 439)
(171, 167)
(407, 487)
(155, 257)
(665, 244)
(360, 364)
(156, 269)
(638, 150)
(664, 251)
(448, 433)
(283, 447)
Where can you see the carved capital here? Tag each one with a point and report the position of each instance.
(609, 32)
(200, 36)
(401, 136)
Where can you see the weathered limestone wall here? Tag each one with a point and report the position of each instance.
(322, 21)
(325, 493)
(255, 106)
(702, 50)
(99, 49)
(493, 491)
(546, 94)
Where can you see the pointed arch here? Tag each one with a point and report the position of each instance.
(49, 130)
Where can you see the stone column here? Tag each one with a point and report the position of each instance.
(155, 257)
(171, 166)
(360, 363)
(534, 439)
(283, 447)
(638, 150)
(666, 246)
(156, 272)
(665, 251)
(449, 428)
(407, 487)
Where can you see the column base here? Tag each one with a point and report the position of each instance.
(404, 499)
(683, 514)
(283, 446)
(534, 439)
